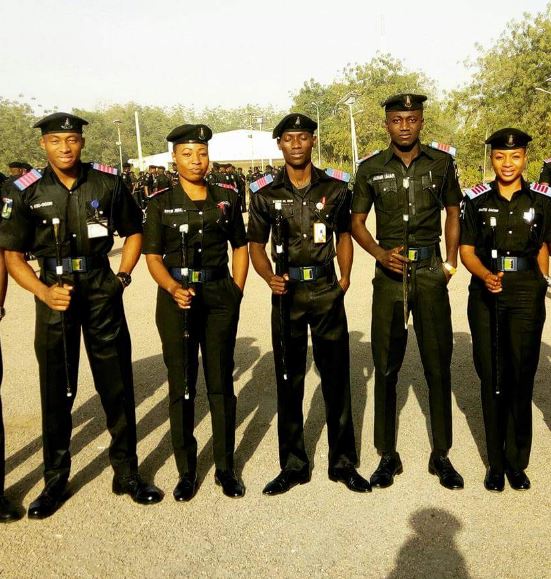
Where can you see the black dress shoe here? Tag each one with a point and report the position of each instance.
(494, 480)
(518, 480)
(8, 511)
(389, 466)
(186, 488)
(286, 480)
(443, 468)
(141, 492)
(351, 478)
(48, 502)
(231, 487)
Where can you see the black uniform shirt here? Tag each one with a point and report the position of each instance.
(522, 224)
(545, 176)
(326, 201)
(210, 228)
(94, 197)
(433, 185)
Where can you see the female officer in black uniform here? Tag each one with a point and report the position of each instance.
(186, 244)
(505, 226)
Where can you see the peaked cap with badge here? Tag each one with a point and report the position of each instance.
(404, 102)
(508, 139)
(60, 123)
(294, 122)
(190, 134)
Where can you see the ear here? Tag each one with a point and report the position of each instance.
(83, 142)
(42, 143)
(279, 144)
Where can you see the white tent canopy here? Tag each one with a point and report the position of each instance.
(239, 146)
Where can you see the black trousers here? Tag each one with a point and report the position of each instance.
(430, 308)
(213, 320)
(320, 305)
(521, 315)
(2, 439)
(97, 310)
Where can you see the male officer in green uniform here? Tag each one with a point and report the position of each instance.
(545, 176)
(315, 206)
(67, 216)
(409, 184)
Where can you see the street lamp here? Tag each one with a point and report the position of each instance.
(319, 132)
(259, 121)
(118, 122)
(349, 100)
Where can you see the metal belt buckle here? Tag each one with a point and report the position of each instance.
(76, 264)
(196, 276)
(509, 264)
(413, 254)
(307, 273)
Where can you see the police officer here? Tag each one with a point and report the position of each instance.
(409, 184)
(505, 225)
(314, 207)
(66, 216)
(186, 243)
(163, 181)
(545, 176)
(128, 177)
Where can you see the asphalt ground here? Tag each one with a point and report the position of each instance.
(415, 528)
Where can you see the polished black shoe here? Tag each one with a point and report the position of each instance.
(48, 501)
(443, 468)
(494, 480)
(231, 486)
(286, 480)
(389, 466)
(351, 478)
(8, 511)
(141, 492)
(518, 480)
(186, 488)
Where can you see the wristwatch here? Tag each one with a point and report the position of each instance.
(2, 312)
(451, 270)
(126, 278)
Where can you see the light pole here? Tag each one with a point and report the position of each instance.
(118, 123)
(259, 121)
(349, 102)
(543, 90)
(319, 132)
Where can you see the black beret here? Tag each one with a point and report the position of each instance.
(294, 122)
(26, 166)
(16, 165)
(190, 134)
(60, 123)
(404, 102)
(126, 165)
(508, 139)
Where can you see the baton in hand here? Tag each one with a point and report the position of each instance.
(282, 299)
(496, 358)
(59, 275)
(185, 284)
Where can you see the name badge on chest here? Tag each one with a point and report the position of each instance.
(320, 233)
(97, 226)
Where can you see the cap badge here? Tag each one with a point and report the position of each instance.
(407, 102)
(297, 122)
(510, 140)
(67, 126)
(201, 133)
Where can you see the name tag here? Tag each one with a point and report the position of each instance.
(320, 233)
(98, 229)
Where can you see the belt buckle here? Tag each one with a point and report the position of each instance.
(307, 273)
(196, 276)
(413, 254)
(76, 264)
(510, 264)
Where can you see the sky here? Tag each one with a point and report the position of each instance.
(85, 54)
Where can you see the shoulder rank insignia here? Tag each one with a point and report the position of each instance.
(7, 207)
(27, 179)
(262, 182)
(477, 190)
(541, 188)
(442, 147)
(105, 168)
(368, 156)
(338, 174)
(226, 186)
(548, 161)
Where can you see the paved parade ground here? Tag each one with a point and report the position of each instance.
(415, 528)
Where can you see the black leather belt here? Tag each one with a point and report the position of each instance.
(507, 263)
(310, 272)
(420, 253)
(199, 275)
(76, 264)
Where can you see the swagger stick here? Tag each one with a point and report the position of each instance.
(496, 370)
(185, 284)
(280, 270)
(59, 275)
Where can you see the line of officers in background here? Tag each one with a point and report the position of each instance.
(67, 216)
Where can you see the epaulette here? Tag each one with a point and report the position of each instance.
(541, 188)
(443, 147)
(477, 190)
(548, 161)
(262, 182)
(226, 186)
(368, 156)
(105, 168)
(338, 174)
(27, 179)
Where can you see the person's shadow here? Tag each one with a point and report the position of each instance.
(432, 551)
(541, 386)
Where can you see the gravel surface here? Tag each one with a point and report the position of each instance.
(416, 528)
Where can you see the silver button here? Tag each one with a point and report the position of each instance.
(199, 250)
(200, 231)
(304, 235)
(304, 202)
(510, 232)
(200, 213)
